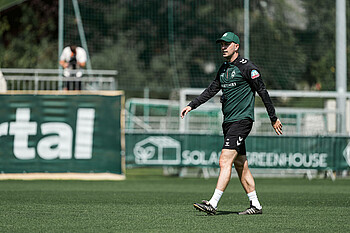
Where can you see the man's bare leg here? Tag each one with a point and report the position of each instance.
(244, 174)
(247, 180)
(226, 161)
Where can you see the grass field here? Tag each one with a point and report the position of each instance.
(148, 202)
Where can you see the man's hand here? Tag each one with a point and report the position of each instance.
(184, 111)
(81, 64)
(277, 125)
(64, 64)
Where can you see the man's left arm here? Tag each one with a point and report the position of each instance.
(81, 57)
(258, 85)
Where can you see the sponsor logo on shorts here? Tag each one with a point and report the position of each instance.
(239, 141)
(227, 143)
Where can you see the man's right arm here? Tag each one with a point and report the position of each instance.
(63, 64)
(208, 93)
(63, 57)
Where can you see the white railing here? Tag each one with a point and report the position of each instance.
(329, 119)
(52, 79)
(153, 115)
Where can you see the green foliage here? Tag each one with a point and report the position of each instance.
(320, 41)
(168, 44)
(27, 39)
(276, 50)
(4, 25)
(123, 57)
(5, 4)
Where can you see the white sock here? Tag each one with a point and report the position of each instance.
(254, 199)
(216, 198)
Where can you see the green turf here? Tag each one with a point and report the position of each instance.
(147, 202)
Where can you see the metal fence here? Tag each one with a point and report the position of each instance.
(53, 79)
(156, 115)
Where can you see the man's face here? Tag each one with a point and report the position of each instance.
(228, 49)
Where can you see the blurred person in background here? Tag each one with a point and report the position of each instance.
(239, 79)
(72, 59)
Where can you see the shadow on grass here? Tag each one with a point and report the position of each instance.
(226, 212)
(202, 214)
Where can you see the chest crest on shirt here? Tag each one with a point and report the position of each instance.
(228, 74)
(233, 74)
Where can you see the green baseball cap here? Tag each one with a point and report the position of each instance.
(229, 37)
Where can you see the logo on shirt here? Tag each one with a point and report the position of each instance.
(229, 85)
(233, 74)
(243, 61)
(254, 74)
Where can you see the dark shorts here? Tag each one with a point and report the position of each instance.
(235, 134)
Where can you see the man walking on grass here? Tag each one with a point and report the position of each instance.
(239, 79)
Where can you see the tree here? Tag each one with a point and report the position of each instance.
(28, 35)
(320, 43)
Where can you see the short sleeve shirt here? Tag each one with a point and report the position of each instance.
(67, 54)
